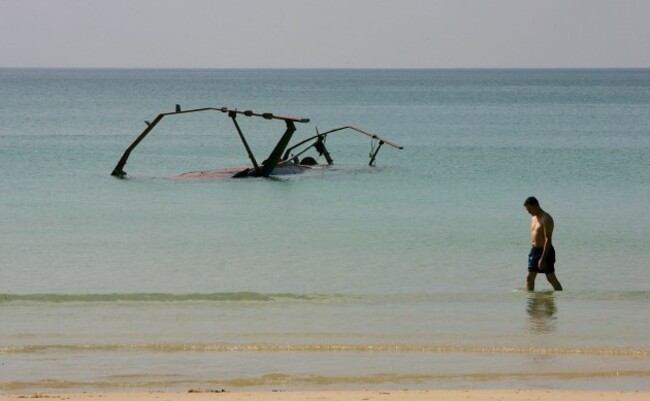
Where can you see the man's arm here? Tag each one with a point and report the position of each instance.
(547, 229)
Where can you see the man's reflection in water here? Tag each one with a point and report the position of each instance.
(541, 311)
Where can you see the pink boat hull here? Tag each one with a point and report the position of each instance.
(230, 172)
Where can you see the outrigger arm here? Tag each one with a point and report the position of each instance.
(319, 145)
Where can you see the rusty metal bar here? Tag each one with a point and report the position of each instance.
(233, 115)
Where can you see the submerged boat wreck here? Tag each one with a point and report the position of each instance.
(283, 159)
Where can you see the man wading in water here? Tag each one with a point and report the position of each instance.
(541, 258)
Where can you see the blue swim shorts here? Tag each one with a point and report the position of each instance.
(533, 259)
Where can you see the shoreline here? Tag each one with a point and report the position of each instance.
(331, 395)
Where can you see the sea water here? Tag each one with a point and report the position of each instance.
(408, 274)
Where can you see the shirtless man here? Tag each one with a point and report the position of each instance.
(542, 255)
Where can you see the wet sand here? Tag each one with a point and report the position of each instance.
(419, 395)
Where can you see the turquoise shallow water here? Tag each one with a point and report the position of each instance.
(405, 275)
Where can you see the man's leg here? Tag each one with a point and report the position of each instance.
(530, 281)
(554, 281)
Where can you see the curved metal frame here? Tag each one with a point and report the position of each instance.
(320, 144)
(258, 171)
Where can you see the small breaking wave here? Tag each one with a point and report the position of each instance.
(271, 380)
(324, 348)
(156, 297)
(249, 296)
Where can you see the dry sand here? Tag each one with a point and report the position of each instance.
(416, 395)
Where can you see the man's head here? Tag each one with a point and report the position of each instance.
(532, 205)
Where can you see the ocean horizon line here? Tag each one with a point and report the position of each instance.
(115, 68)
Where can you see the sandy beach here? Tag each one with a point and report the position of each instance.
(419, 395)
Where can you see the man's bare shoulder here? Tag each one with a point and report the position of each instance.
(546, 220)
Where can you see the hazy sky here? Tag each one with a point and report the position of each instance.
(324, 33)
